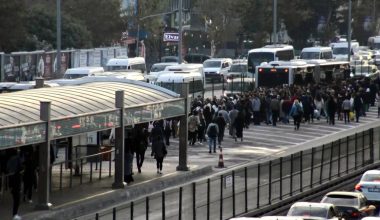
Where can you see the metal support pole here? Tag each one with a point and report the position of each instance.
(183, 131)
(58, 37)
(349, 29)
(180, 32)
(43, 202)
(119, 143)
(274, 21)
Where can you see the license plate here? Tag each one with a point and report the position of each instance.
(373, 189)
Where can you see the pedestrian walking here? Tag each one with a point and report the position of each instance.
(212, 133)
(201, 127)
(346, 107)
(159, 150)
(193, 123)
(233, 114)
(296, 112)
(275, 109)
(14, 168)
(141, 142)
(220, 121)
(167, 132)
(29, 177)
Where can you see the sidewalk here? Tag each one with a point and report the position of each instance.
(89, 195)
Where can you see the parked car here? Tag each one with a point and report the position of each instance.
(314, 209)
(351, 205)
(287, 218)
(369, 185)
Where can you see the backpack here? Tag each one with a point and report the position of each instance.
(299, 109)
(212, 131)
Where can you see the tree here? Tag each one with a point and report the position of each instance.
(12, 29)
(102, 19)
(41, 28)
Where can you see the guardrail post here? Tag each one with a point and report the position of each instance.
(132, 209)
(270, 183)
(233, 194)
(356, 151)
(301, 171)
(208, 199)
(163, 205)
(258, 187)
(221, 197)
(371, 145)
(43, 199)
(339, 151)
(180, 204)
(246, 189)
(194, 203)
(312, 167)
(147, 208)
(363, 148)
(119, 144)
(347, 153)
(322, 161)
(281, 161)
(114, 213)
(331, 159)
(291, 175)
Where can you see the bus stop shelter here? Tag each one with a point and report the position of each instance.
(39, 116)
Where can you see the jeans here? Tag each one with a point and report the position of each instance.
(211, 140)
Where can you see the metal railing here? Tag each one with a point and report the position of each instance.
(80, 170)
(257, 186)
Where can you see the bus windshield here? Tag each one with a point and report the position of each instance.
(340, 50)
(211, 64)
(309, 55)
(255, 59)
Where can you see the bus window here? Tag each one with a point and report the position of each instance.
(255, 59)
(285, 55)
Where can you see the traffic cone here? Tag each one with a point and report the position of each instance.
(220, 162)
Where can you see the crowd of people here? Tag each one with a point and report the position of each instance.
(344, 101)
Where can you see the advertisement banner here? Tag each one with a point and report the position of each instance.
(97, 57)
(83, 58)
(48, 66)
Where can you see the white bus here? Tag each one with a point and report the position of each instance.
(269, 53)
(174, 80)
(299, 72)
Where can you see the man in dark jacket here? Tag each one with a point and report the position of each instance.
(220, 121)
(358, 106)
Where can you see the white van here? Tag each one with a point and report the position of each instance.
(340, 50)
(79, 72)
(310, 53)
(125, 63)
(217, 68)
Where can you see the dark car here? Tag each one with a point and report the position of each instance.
(196, 58)
(351, 205)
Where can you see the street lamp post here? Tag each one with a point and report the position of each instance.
(58, 37)
(274, 21)
(180, 32)
(349, 29)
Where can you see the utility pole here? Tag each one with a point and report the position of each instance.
(274, 21)
(58, 37)
(349, 29)
(180, 32)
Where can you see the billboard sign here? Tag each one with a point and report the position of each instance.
(171, 37)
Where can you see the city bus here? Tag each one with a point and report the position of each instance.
(174, 80)
(299, 72)
(269, 53)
